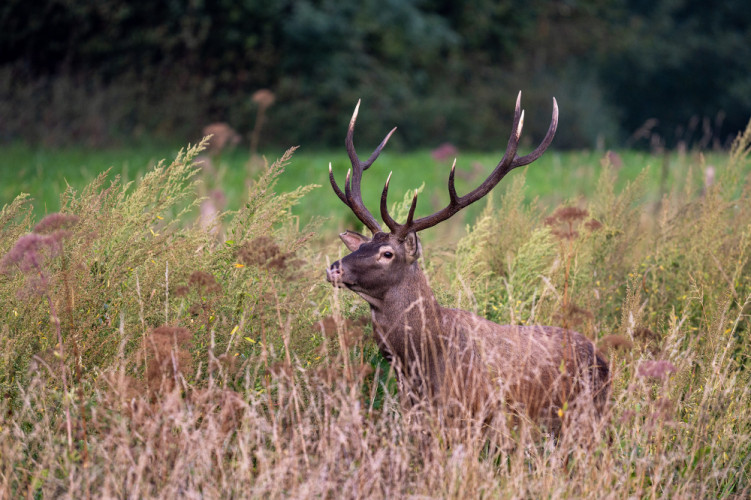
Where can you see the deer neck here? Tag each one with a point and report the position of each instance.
(407, 314)
(413, 293)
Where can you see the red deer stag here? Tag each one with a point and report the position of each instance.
(452, 358)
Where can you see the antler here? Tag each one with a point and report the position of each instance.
(351, 195)
(456, 203)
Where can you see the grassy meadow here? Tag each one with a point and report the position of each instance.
(167, 330)
(557, 177)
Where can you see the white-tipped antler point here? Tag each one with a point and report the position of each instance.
(354, 115)
(521, 125)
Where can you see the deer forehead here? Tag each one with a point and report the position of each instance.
(375, 249)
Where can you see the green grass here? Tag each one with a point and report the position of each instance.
(201, 365)
(556, 177)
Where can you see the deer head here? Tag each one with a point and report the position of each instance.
(377, 265)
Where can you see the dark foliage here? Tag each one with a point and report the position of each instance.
(118, 70)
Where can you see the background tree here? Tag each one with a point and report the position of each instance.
(115, 70)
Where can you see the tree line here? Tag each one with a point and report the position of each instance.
(656, 73)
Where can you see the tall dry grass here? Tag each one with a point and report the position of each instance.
(198, 366)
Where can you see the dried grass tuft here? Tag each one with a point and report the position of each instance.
(169, 358)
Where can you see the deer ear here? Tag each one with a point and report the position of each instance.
(412, 246)
(353, 240)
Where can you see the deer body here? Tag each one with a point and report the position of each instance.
(453, 358)
(450, 357)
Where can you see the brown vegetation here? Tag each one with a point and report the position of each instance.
(270, 406)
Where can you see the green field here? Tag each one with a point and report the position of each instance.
(555, 178)
(142, 355)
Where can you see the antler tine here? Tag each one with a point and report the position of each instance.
(359, 167)
(336, 188)
(352, 196)
(348, 186)
(456, 203)
(452, 189)
(353, 199)
(526, 160)
(390, 222)
(349, 139)
(350, 143)
(508, 156)
(411, 214)
(377, 151)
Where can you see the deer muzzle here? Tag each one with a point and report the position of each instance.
(335, 274)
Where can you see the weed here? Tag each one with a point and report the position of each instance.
(196, 365)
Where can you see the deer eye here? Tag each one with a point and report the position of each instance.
(388, 255)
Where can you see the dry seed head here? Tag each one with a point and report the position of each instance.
(656, 369)
(222, 136)
(593, 224)
(569, 214)
(195, 309)
(645, 333)
(163, 366)
(263, 97)
(615, 342)
(567, 217)
(262, 252)
(31, 249)
(204, 282)
(565, 234)
(575, 310)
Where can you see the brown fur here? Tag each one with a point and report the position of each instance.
(459, 361)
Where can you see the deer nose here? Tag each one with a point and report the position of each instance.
(335, 273)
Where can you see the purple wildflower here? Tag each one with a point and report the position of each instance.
(54, 222)
(29, 254)
(444, 152)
